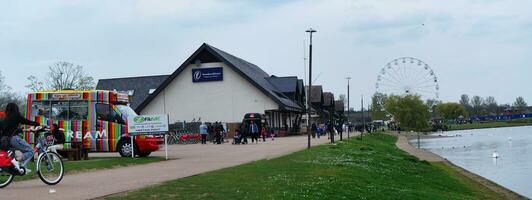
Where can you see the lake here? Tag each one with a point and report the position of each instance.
(473, 150)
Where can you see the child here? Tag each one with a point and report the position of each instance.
(263, 134)
(55, 137)
(236, 138)
(272, 134)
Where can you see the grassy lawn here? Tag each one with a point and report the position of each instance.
(477, 125)
(93, 164)
(372, 168)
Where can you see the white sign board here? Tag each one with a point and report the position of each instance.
(148, 124)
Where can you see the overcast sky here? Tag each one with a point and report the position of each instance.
(476, 47)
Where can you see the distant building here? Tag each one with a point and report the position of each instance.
(216, 86)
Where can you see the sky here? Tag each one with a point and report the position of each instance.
(475, 47)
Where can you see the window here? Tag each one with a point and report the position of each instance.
(59, 110)
(151, 91)
(40, 108)
(103, 112)
(79, 110)
(131, 92)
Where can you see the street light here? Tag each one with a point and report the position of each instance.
(348, 119)
(310, 31)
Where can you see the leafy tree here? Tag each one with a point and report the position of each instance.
(477, 102)
(520, 104)
(62, 75)
(409, 111)
(377, 108)
(451, 110)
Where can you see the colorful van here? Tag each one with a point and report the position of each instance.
(97, 119)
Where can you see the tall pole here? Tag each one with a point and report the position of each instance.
(348, 119)
(310, 31)
(363, 120)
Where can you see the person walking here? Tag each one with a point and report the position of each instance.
(263, 134)
(254, 129)
(314, 130)
(244, 131)
(203, 132)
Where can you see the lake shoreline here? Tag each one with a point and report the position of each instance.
(507, 193)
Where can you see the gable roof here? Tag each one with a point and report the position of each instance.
(339, 106)
(252, 73)
(140, 86)
(287, 84)
(316, 94)
(328, 99)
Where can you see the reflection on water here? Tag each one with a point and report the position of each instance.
(474, 150)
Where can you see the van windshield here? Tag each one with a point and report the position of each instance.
(126, 111)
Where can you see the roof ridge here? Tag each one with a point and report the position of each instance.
(130, 77)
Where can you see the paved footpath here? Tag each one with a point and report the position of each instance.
(402, 143)
(186, 160)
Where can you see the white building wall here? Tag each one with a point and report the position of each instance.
(225, 101)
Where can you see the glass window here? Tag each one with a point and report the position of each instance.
(103, 111)
(59, 110)
(79, 110)
(116, 117)
(40, 108)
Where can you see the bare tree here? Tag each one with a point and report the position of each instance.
(477, 102)
(63, 75)
(464, 100)
(520, 104)
(490, 105)
(8, 96)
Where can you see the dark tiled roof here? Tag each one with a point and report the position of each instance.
(328, 99)
(301, 86)
(140, 85)
(249, 71)
(317, 94)
(339, 106)
(287, 84)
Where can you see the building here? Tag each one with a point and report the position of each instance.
(213, 85)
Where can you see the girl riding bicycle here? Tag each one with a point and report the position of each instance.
(10, 128)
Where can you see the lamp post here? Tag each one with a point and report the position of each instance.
(348, 119)
(310, 31)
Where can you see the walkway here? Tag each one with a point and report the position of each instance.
(402, 143)
(187, 160)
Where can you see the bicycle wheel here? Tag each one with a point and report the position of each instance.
(50, 168)
(5, 178)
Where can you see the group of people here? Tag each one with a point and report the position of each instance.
(254, 130)
(10, 136)
(216, 131)
(327, 128)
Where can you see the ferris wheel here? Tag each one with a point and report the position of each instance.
(405, 76)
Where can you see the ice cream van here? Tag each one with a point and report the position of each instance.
(97, 119)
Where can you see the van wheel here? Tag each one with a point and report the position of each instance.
(143, 154)
(124, 148)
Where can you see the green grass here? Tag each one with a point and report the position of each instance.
(495, 124)
(93, 164)
(372, 168)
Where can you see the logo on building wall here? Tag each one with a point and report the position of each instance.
(207, 74)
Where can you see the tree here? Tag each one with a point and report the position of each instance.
(377, 108)
(409, 111)
(520, 104)
(464, 100)
(63, 75)
(477, 102)
(490, 105)
(8, 96)
(451, 111)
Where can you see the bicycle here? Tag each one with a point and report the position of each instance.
(49, 165)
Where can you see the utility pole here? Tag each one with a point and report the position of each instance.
(310, 31)
(348, 117)
(363, 120)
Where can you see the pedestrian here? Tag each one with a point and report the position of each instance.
(263, 134)
(272, 134)
(203, 132)
(254, 129)
(313, 130)
(55, 137)
(217, 133)
(244, 131)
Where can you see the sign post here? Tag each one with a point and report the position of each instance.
(148, 125)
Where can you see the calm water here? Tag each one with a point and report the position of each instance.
(473, 150)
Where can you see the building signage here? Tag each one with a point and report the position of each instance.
(147, 124)
(207, 74)
(66, 96)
